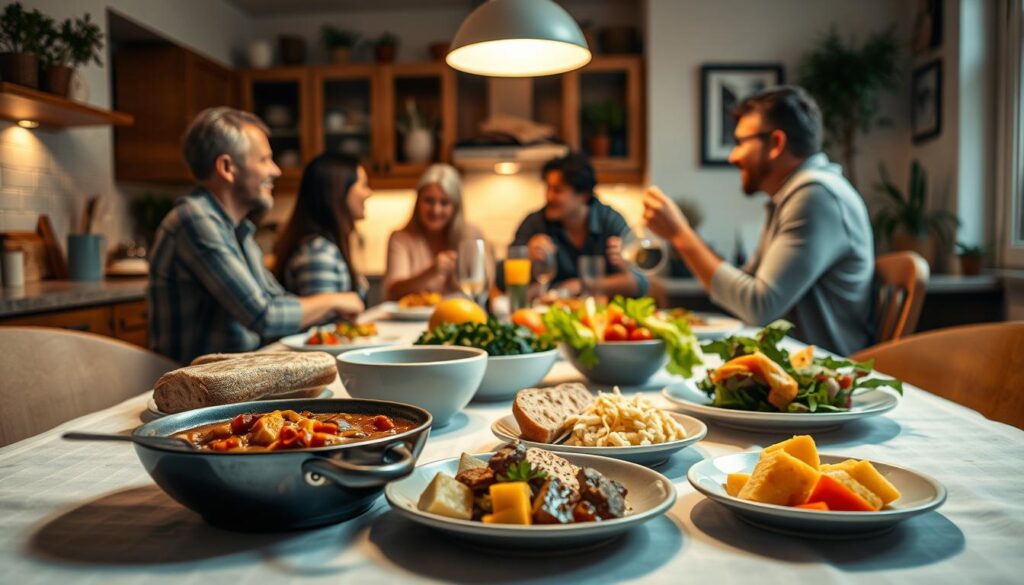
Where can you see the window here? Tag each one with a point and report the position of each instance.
(1010, 164)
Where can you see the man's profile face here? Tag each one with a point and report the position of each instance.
(562, 199)
(254, 180)
(750, 154)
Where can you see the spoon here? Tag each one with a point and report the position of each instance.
(152, 442)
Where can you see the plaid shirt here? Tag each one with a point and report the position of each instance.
(208, 289)
(317, 266)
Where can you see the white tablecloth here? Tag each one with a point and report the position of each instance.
(87, 512)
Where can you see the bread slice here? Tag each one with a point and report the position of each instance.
(227, 379)
(542, 412)
(556, 467)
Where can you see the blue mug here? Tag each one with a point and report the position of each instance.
(85, 256)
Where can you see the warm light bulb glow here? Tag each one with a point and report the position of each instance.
(519, 58)
(506, 168)
(28, 124)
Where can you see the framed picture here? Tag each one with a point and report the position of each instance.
(722, 88)
(926, 102)
(927, 26)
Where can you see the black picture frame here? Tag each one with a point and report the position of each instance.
(926, 101)
(722, 87)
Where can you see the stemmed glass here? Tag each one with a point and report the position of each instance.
(471, 268)
(643, 250)
(544, 267)
(591, 270)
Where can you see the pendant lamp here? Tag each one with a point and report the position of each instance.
(518, 38)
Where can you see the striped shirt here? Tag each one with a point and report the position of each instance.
(208, 289)
(317, 266)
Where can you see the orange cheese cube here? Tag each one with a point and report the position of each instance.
(734, 482)
(510, 502)
(779, 478)
(867, 476)
(800, 446)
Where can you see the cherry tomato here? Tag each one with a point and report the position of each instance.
(629, 323)
(641, 334)
(530, 319)
(383, 423)
(615, 315)
(845, 381)
(616, 333)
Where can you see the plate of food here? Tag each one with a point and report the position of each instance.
(531, 499)
(228, 378)
(790, 488)
(339, 338)
(762, 387)
(568, 418)
(706, 326)
(413, 307)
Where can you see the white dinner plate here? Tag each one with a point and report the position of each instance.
(395, 313)
(716, 326)
(918, 494)
(297, 342)
(867, 403)
(649, 495)
(152, 407)
(506, 429)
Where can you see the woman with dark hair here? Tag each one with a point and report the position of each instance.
(422, 255)
(314, 253)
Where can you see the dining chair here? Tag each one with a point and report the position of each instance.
(52, 375)
(978, 366)
(902, 279)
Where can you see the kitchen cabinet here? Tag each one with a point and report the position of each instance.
(24, 104)
(283, 98)
(127, 321)
(164, 88)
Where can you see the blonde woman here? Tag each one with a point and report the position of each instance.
(422, 255)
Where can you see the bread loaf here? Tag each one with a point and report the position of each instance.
(541, 413)
(230, 378)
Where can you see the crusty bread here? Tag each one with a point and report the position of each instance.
(228, 378)
(541, 412)
(556, 467)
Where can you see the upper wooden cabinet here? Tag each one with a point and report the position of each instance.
(283, 98)
(164, 88)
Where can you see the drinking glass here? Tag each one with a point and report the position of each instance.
(545, 266)
(471, 268)
(517, 277)
(643, 250)
(591, 269)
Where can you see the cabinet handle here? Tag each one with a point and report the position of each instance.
(126, 326)
(79, 327)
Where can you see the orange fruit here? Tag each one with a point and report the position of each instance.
(530, 319)
(457, 311)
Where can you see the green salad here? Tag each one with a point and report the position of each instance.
(494, 337)
(760, 375)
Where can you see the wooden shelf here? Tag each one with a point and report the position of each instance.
(23, 103)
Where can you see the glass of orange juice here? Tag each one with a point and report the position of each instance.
(517, 277)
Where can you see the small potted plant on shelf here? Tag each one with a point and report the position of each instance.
(338, 43)
(23, 36)
(971, 258)
(603, 119)
(385, 47)
(905, 221)
(74, 44)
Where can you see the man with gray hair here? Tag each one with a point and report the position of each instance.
(208, 288)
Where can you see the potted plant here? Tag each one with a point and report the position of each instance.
(905, 221)
(385, 47)
(23, 36)
(74, 44)
(847, 82)
(971, 258)
(339, 43)
(604, 119)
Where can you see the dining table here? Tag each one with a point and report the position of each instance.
(74, 512)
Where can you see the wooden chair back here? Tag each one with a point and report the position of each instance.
(978, 366)
(902, 278)
(51, 375)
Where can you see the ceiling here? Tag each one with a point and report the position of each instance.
(260, 8)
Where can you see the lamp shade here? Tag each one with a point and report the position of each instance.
(518, 38)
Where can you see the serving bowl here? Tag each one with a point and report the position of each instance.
(282, 490)
(621, 363)
(508, 374)
(439, 378)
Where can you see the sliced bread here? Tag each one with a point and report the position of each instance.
(556, 467)
(541, 413)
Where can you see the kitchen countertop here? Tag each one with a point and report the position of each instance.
(937, 283)
(56, 295)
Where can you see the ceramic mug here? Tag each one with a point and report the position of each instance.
(261, 54)
(85, 256)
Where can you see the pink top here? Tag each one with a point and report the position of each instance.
(409, 254)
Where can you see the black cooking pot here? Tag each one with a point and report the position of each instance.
(282, 490)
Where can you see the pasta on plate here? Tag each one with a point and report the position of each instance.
(613, 420)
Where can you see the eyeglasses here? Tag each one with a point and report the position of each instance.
(762, 135)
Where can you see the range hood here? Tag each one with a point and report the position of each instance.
(510, 112)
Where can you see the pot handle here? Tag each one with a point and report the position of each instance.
(354, 475)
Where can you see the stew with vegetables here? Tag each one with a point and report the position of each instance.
(288, 429)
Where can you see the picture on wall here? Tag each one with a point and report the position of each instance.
(926, 101)
(927, 26)
(722, 88)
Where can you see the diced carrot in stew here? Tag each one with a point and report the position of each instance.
(325, 427)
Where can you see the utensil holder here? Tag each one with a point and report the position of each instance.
(85, 257)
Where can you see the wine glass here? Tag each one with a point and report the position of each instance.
(544, 267)
(471, 268)
(644, 250)
(591, 270)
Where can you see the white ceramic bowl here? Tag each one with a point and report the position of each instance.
(508, 374)
(439, 378)
(621, 363)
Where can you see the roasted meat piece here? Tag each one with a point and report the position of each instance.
(507, 456)
(607, 495)
(479, 480)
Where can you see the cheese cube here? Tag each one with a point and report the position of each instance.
(734, 482)
(800, 446)
(510, 502)
(779, 478)
(447, 497)
(867, 476)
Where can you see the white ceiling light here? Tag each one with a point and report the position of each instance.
(518, 38)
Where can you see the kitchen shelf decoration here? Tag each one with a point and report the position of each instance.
(31, 107)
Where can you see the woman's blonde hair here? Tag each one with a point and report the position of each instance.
(447, 178)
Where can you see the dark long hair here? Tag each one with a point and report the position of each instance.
(321, 209)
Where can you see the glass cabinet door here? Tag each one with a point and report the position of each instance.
(418, 117)
(345, 99)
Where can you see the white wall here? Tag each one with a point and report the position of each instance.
(684, 34)
(53, 171)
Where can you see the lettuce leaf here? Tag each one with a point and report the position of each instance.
(681, 344)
